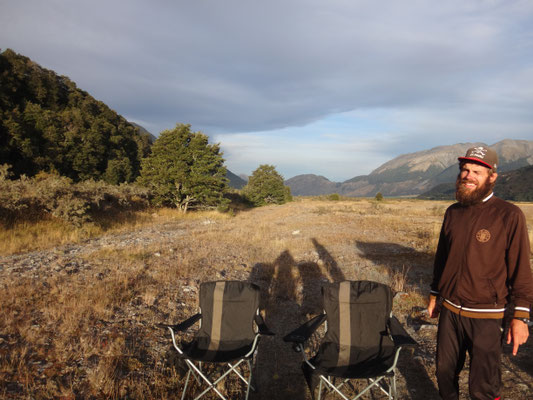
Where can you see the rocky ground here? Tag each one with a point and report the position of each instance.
(120, 353)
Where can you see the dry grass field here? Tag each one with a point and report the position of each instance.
(78, 314)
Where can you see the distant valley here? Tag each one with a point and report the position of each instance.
(48, 124)
(416, 173)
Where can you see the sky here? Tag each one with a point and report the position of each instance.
(333, 88)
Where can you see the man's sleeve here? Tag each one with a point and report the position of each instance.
(519, 269)
(440, 260)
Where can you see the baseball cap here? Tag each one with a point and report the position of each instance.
(482, 155)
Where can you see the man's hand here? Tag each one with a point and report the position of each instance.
(433, 307)
(518, 334)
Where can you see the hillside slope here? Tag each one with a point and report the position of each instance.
(516, 185)
(235, 181)
(48, 124)
(311, 185)
(415, 173)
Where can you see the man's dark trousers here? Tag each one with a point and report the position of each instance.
(482, 338)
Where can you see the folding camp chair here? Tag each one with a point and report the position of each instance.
(362, 339)
(226, 337)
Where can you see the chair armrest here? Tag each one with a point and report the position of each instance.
(263, 329)
(304, 332)
(399, 334)
(182, 326)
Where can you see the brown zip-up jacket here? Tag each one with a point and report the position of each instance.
(482, 260)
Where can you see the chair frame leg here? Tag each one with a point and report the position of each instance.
(320, 390)
(391, 393)
(211, 385)
(197, 373)
(186, 383)
(249, 383)
(332, 386)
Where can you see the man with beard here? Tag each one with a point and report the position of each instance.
(481, 271)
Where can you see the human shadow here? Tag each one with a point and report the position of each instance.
(334, 272)
(290, 294)
(399, 259)
(408, 268)
(277, 373)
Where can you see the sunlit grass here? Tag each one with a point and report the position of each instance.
(49, 232)
(91, 333)
(30, 236)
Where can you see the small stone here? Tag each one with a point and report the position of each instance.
(523, 387)
(428, 327)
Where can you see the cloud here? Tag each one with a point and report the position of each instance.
(332, 87)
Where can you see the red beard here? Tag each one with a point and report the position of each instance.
(469, 197)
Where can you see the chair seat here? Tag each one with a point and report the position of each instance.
(199, 350)
(360, 340)
(364, 362)
(226, 338)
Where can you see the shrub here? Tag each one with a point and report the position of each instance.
(265, 186)
(27, 198)
(334, 197)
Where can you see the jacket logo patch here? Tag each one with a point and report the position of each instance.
(483, 235)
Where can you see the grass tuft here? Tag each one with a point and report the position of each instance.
(81, 322)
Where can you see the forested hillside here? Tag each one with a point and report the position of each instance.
(416, 173)
(516, 185)
(48, 124)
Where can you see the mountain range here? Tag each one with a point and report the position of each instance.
(48, 124)
(516, 185)
(414, 173)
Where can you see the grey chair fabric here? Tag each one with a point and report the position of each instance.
(229, 332)
(362, 340)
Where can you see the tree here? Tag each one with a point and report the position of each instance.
(265, 186)
(47, 124)
(379, 196)
(184, 170)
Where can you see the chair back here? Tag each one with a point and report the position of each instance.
(357, 314)
(228, 309)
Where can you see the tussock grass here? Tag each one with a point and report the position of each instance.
(29, 236)
(82, 325)
(47, 232)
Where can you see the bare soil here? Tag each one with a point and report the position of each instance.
(79, 321)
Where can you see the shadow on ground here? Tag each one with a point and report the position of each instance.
(399, 259)
(290, 293)
(396, 257)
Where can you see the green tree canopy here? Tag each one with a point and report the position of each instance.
(48, 124)
(184, 170)
(265, 186)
